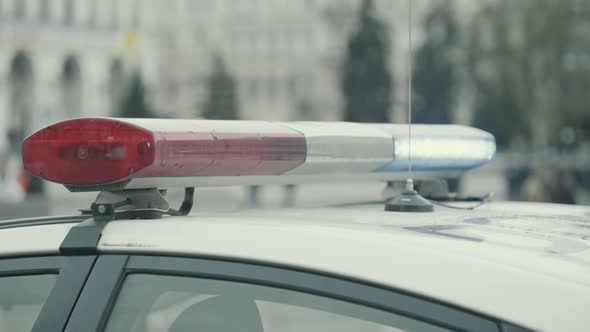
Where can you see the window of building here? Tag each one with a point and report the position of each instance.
(115, 14)
(292, 85)
(253, 88)
(71, 87)
(93, 13)
(116, 85)
(69, 11)
(20, 9)
(136, 14)
(44, 10)
(272, 88)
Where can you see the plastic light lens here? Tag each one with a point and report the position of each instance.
(441, 148)
(443, 154)
(88, 151)
(213, 153)
(85, 152)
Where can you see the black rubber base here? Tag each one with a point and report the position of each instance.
(409, 201)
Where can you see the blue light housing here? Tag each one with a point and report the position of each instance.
(441, 148)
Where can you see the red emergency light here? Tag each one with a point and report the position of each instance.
(98, 151)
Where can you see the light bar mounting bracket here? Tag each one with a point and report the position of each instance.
(137, 204)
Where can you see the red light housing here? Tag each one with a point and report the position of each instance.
(87, 152)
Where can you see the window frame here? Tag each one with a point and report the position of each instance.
(99, 296)
(11, 266)
(71, 275)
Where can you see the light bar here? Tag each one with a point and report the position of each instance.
(99, 153)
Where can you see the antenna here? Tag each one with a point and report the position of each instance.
(409, 200)
(409, 181)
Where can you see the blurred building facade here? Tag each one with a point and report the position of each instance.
(283, 54)
(68, 58)
(61, 59)
(287, 56)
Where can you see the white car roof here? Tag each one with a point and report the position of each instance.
(522, 262)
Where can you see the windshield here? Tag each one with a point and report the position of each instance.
(517, 69)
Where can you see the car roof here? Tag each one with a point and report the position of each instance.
(524, 262)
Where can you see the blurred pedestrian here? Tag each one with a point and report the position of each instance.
(14, 182)
(253, 196)
(516, 177)
(290, 196)
(561, 189)
(534, 188)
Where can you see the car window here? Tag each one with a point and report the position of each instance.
(21, 300)
(149, 302)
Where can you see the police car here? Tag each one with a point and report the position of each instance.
(131, 263)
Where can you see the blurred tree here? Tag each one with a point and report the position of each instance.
(434, 70)
(527, 63)
(495, 69)
(366, 82)
(222, 100)
(576, 75)
(134, 103)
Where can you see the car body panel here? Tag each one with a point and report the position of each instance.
(536, 254)
(32, 240)
(522, 262)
